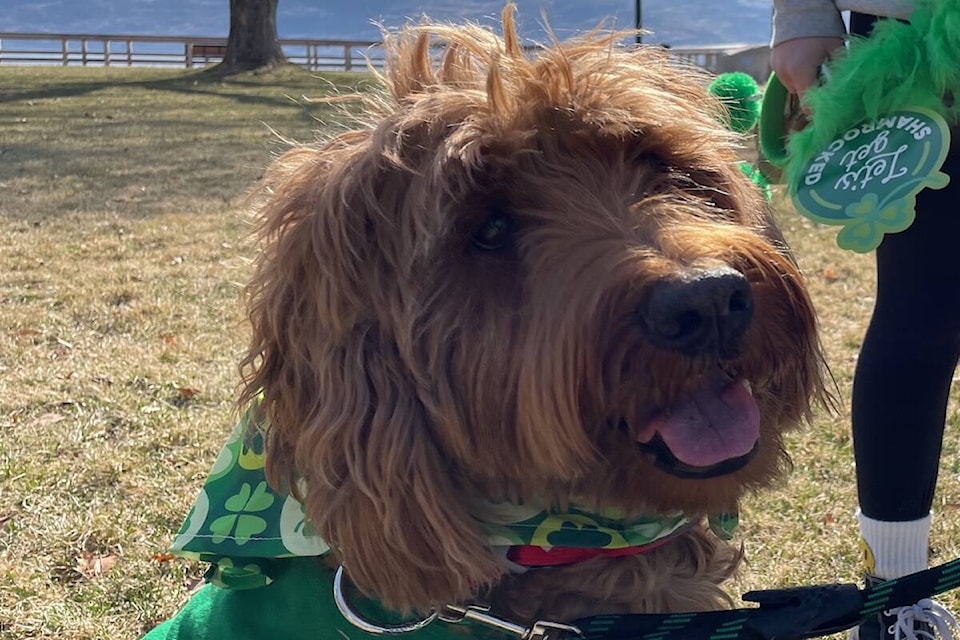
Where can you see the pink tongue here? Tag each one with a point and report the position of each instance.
(710, 425)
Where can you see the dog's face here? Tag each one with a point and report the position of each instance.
(538, 277)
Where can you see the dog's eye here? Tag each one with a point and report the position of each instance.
(494, 233)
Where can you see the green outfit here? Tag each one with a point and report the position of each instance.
(265, 556)
(296, 605)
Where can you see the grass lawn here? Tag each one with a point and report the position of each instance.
(125, 248)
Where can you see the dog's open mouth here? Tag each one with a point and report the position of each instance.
(711, 431)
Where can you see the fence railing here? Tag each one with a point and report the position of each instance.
(65, 49)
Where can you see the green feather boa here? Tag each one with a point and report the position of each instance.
(900, 65)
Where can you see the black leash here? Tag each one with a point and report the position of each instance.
(795, 613)
(784, 614)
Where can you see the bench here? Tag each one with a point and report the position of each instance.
(205, 52)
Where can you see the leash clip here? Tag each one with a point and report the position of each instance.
(451, 614)
(546, 630)
(539, 630)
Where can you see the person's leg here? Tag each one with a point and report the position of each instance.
(901, 386)
(900, 391)
(902, 382)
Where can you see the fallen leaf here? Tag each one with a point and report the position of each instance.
(163, 557)
(169, 339)
(830, 274)
(92, 565)
(187, 393)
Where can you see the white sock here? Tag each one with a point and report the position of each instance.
(894, 549)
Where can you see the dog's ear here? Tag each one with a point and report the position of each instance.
(379, 489)
(346, 431)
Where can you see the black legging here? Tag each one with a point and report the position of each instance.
(909, 354)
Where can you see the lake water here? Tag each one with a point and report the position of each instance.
(677, 22)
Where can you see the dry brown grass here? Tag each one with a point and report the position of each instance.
(124, 250)
(805, 532)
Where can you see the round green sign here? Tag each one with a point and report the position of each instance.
(867, 179)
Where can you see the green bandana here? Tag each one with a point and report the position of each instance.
(243, 527)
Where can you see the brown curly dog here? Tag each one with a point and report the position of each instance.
(534, 278)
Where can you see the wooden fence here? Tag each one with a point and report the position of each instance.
(67, 49)
(190, 52)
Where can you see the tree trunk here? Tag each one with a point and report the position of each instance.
(253, 43)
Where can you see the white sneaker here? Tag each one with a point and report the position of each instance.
(926, 620)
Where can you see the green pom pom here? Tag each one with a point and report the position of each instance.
(741, 95)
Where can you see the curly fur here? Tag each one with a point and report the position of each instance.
(404, 371)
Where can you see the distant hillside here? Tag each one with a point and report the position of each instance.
(676, 22)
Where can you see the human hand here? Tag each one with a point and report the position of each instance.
(797, 61)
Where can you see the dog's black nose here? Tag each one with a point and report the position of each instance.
(703, 312)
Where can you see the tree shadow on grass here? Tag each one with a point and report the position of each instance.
(150, 144)
(207, 82)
